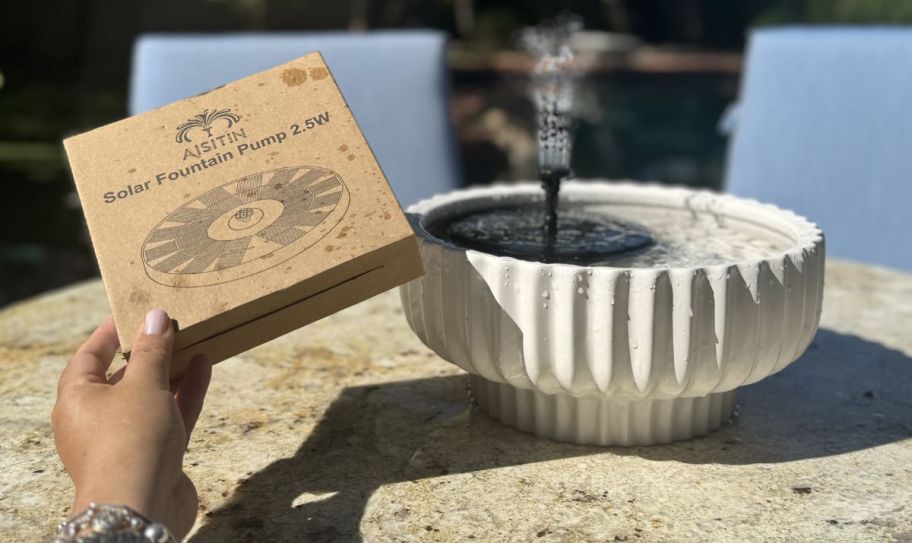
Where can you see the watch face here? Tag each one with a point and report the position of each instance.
(245, 226)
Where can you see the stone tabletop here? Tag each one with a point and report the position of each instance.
(351, 429)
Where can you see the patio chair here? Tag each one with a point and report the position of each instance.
(823, 127)
(396, 84)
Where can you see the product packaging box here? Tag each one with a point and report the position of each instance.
(245, 212)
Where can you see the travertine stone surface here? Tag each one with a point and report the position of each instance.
(350, 429)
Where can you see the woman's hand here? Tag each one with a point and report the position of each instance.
(122, 439)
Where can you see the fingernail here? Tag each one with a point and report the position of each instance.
(199, 359)
(157, 322)
(201, 363)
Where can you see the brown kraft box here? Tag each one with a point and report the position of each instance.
(245, 212)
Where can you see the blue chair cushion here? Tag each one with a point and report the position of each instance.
(396, 84)
(823, 128)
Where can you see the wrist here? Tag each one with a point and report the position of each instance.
(143, 503)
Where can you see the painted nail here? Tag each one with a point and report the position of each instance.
(157, 322)
(199, 359)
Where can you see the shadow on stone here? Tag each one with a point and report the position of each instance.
(845, 394)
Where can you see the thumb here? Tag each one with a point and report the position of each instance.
(150, 359)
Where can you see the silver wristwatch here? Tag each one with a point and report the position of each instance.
(111, 524)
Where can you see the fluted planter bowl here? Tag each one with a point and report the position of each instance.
(617, 355)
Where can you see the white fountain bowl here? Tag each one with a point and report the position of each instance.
(615, 356)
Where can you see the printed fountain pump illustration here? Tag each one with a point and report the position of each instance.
(204, 121)
(630, 316)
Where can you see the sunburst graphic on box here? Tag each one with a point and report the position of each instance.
(244, 227)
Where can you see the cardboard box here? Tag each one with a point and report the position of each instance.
(245, 212)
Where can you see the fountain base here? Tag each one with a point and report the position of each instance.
(598, 420)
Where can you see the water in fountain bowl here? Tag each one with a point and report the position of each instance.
(581, 238)
(627, 237)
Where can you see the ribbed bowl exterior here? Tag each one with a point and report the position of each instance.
(621, 334)
(598, 420)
